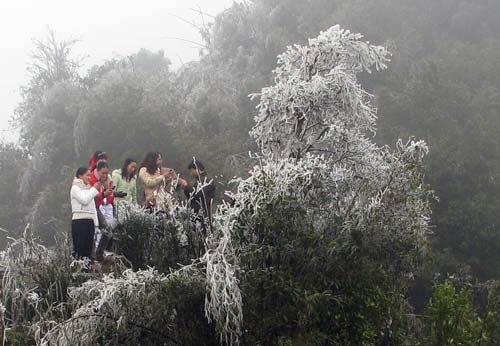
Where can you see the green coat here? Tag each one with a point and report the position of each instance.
(122, 185)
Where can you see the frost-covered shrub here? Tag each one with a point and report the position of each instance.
(223, 301)
(309, 286)
(121, 309)
(35, 279)
(160, 238)
(135, 308)
(34, 287)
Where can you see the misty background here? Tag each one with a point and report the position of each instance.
(137, 91)
(151, 81)
(442, 86)
(104, 28)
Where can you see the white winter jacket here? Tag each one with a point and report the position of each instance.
(82, 201)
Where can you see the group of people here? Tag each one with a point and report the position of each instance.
(96, 192)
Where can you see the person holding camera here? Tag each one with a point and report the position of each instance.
(154, 177)
(126, 182)
(106, 192)
(84, 214)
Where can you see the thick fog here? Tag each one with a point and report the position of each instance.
(105, 28)
(261, 172)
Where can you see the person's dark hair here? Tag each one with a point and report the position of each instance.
(196, 164)
(81, 171)
(99, 155)
(101, 165)
(96, 156)
(150, 162)
(125, 174)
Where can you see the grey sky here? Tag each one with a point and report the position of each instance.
(106, 28)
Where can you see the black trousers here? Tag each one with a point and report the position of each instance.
(82, 232)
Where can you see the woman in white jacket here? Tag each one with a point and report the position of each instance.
(84, 213)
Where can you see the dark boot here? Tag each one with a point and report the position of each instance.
(103, 243)
(109, 247)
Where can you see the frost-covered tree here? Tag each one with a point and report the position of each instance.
(12, 162)
(313, 128)
(131, 106)
(327, 210)
(45, 119)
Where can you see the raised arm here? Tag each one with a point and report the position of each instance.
(83, 196)
(149, 180)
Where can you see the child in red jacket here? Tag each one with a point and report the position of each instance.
(104, 202)
(101, 175)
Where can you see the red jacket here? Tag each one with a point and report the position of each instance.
(99, 200)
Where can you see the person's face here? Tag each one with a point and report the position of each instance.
(194, 172)
(86, 177)
(131, 168)
(103, 173)
(159, 161)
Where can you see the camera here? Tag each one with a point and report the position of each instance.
(120, 194)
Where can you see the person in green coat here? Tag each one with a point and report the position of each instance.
(126, 182)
